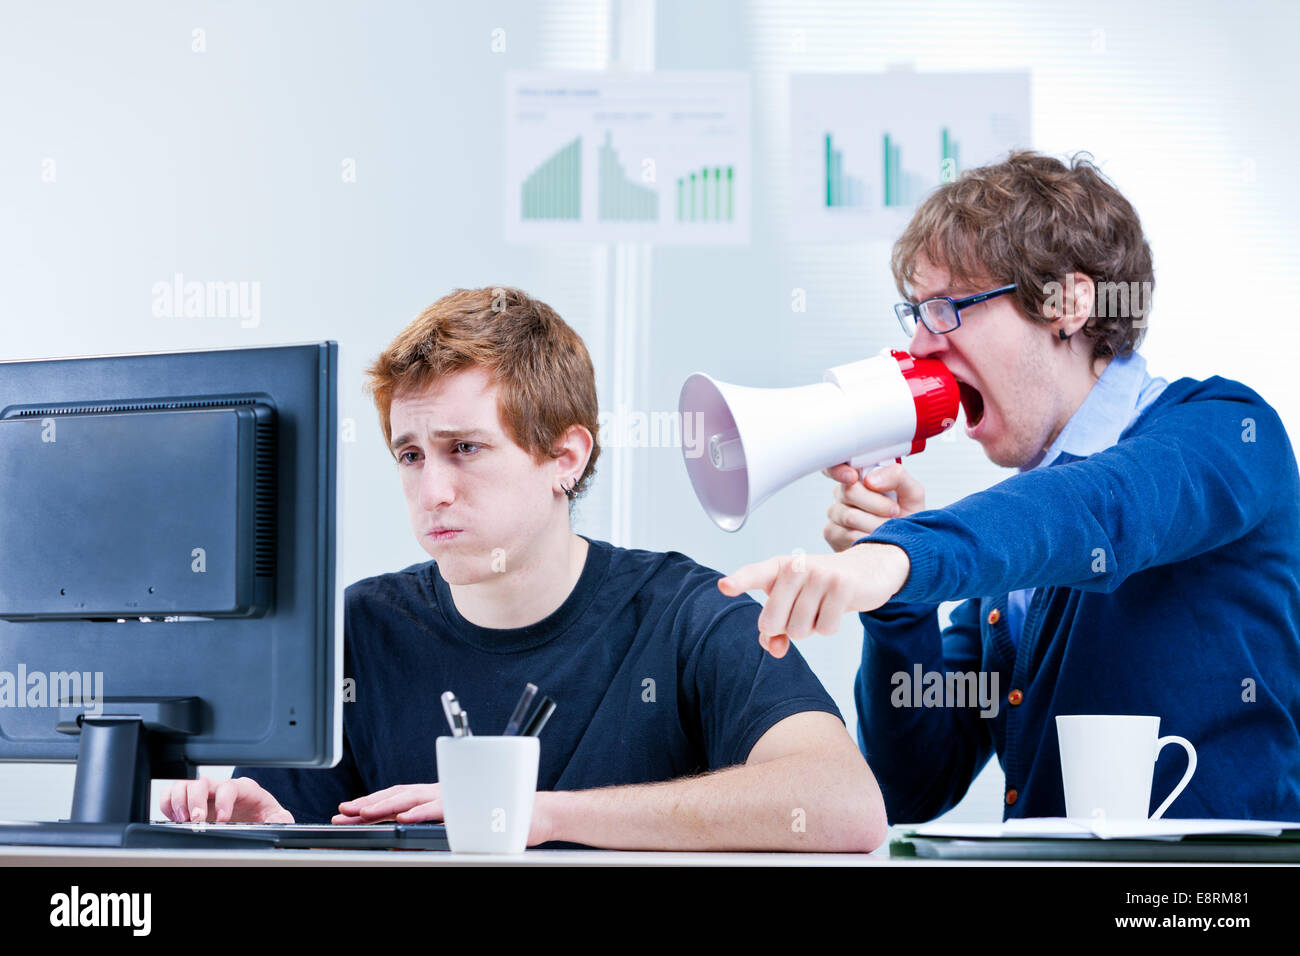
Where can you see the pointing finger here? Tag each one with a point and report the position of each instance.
(751, 577)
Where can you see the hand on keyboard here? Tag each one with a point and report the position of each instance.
(239, 800)
(407, 803)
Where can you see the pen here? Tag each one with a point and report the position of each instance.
(544, 711)
(451, 708)
(521, 711)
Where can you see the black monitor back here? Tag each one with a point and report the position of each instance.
(168, 536)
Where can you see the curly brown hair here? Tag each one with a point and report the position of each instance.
(546, 379)
(1033, 220)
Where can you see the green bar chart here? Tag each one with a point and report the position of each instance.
(867, 148)
(901, 187)
(554, 189)
(619, 198)
(707, 195)
(841, 190)
(949, 164)
(603, 157)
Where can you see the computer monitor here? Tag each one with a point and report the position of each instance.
(168, 590)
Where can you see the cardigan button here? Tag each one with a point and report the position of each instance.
(1011, 797)
(994, 616)
(1015, 697)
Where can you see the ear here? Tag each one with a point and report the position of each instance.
(1076, 303)
(575, 446)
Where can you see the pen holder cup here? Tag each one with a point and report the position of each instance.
(488, 785)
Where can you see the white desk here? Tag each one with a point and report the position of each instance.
(74, 857)
(78, 857)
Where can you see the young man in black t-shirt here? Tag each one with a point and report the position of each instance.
(674, 730)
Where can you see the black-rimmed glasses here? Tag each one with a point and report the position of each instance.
(942, 313)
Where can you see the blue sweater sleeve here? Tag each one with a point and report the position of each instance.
(924, 757)
(1187, 478)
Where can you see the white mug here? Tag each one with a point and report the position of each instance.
(1107, 765)
(487, 786)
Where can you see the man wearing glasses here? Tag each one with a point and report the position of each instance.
(1145, 560)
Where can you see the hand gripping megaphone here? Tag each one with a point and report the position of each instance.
(755, 441)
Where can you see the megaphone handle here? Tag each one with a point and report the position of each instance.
(862, 473)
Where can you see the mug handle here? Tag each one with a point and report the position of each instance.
(1191, 769)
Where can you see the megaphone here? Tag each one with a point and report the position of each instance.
(751, 442)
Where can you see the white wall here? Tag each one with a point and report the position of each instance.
(225, 165)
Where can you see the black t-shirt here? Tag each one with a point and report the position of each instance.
(656, 675)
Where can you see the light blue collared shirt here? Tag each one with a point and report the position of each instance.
(1114, 402)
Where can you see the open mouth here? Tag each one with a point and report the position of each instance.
(972, 403)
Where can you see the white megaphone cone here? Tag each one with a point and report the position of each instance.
(751, 442)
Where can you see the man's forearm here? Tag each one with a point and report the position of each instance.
(812, 802)
(1184, 485)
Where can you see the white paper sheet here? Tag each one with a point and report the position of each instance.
(1067, 828)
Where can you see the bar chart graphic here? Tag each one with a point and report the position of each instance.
(841, 190)
(902, 186)
(620, 197)
(653, 157)
(707, 194)
(949, 164)
(866, 148)
(554, 189)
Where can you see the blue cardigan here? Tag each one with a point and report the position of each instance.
(1167, 570)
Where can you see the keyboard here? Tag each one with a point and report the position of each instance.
(331, 836)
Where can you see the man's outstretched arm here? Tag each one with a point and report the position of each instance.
(804, 787)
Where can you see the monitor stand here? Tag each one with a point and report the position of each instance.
(123, 748)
